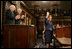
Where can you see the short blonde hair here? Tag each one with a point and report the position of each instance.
(19, 9)
(50, 15)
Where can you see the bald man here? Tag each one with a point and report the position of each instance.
(10, 16)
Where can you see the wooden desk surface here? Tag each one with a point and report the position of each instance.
(64, 40)
(17, 25)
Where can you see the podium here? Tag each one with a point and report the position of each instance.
(19, 36)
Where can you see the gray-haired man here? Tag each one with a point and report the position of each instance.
(10, 16)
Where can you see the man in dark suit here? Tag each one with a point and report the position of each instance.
(10, 16)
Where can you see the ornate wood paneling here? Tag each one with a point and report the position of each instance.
(63, 32)
(19, 36)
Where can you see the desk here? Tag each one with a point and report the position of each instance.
(64, 40)
(19, 36)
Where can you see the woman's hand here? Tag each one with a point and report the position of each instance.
(17, 17)
(22, 17)
(47, 15)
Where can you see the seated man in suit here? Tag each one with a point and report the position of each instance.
(10, 16)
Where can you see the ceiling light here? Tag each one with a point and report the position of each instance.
(43, 1)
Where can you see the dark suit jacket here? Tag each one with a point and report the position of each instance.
(10, 17)
(48, 25)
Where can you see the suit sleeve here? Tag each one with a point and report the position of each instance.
(9, 15)
(46, 21)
